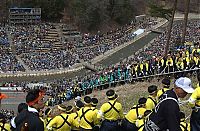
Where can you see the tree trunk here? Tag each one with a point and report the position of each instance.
(170, 28)
(187, 4)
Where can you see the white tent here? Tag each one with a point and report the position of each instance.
(139, 31)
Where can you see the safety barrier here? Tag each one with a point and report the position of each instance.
(144, 77)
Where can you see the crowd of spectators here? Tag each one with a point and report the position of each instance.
(93, 45)
(148, 61)
(3, 36)
(8, 61)
(61, 90)
(113, 35)
(49, 60)
(9, 114)
(30, 38)
(30, 43)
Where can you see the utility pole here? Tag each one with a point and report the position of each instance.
(187, 5)
(170, 28)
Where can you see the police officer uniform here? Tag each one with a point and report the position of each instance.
(87, 116)
(166, 85)
(136, 112)
(152, 98)
(111, 111)
(64, 121)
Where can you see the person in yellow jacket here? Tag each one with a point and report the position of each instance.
(183, 124)
(169, 64)
(146, 67)
(198, 63)
(94, 108)
(64, 121)
(133, 70)
(194, 102)
(166, 86)
(111, 111)
(140, 122)
(48, 118)
(87, 115)
(194, 58)
(78, 105)
(4, 126)
(186, 61)
(161, 63)
(180, 64)
(152, 98)
(136, 112)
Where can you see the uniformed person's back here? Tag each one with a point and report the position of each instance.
(78, 105)
(96, 122)
(152, 98)
(111, 111)
(86, 115)
(64, 121)
(48, 118)
(136, 112)
(166, 86)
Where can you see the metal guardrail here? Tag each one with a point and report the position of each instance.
(137, 78)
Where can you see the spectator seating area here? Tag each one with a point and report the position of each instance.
(47, 46)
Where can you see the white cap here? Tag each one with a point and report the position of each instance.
(185, 84)
(78, 98)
